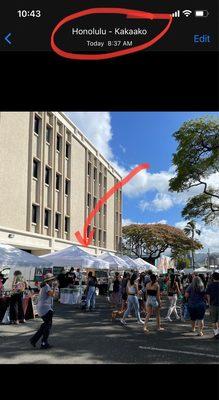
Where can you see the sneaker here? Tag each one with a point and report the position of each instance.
(160, 329)
(168, 319)
(178, 318)
(46, 346)
(200, 334)
(140, 322)
(123, 322)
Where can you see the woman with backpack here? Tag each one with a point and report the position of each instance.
(196, 303)
(173, 292)
(132, 292)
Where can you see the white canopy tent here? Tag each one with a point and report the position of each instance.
(144, 265)
(115, 263)
(16, 259)
(130, 263)
(74, 256)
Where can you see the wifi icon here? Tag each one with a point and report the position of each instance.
(187, 13)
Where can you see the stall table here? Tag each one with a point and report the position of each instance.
(71, 295)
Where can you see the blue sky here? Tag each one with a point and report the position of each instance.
(147, 137)
(127, 139)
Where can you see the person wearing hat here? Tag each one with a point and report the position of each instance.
(45, 310)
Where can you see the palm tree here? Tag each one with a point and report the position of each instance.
(190, 230)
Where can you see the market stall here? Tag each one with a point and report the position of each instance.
(16, 259)
(115, 263)
(74, 256)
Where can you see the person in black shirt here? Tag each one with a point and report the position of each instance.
(91, 291)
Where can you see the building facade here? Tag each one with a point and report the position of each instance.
(51, 177)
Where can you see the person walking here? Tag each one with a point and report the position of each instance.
(45, 310)
(91, 291)
(132, 292)
(213, 301)
(116, 295)
(153, 302)
(173, 292)
(16, 311)
(195, 294)
(125, 279)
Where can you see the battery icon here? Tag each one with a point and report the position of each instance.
(201, 13)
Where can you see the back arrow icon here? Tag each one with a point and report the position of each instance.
(7, 38)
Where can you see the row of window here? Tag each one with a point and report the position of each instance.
(95, 203)
(47, 218)
(37, 122)
(48, 172)
(98, 234)
(89, 169)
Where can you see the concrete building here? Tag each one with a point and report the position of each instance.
(51, 177)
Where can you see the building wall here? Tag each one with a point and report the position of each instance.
(33, 139)
(14, 139)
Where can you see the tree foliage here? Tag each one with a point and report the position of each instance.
(151, 240)
(197, 157)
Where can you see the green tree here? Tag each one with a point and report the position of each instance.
(197, 157)
(190, 230)
(151, 240)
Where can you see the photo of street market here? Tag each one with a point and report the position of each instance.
(109, 254)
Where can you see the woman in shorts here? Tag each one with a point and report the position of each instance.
(153, 302)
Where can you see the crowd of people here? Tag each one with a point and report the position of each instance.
(188, 298)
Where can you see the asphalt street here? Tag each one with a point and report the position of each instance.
(82, 337)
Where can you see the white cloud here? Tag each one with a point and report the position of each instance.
(209, 235)
(97, 127)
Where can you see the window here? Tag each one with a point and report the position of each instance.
(46, 218)
(47, 175)
(100, 178)
(95, 174)
(35, 168)
(36, 125)
(100, 235)
(104, 237)
(117, 217)
(105, 183)
(57, 221)
(58, 180)
(89, 169)
(67, 150)
(48, 134)
(104, 209)
(67, 186)
(58, 143)
(66, 224)
(95, 202)
(88, 230)
(88, 200)
(34, 214)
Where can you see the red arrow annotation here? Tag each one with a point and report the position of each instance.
(86, 240)
(134, 14)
